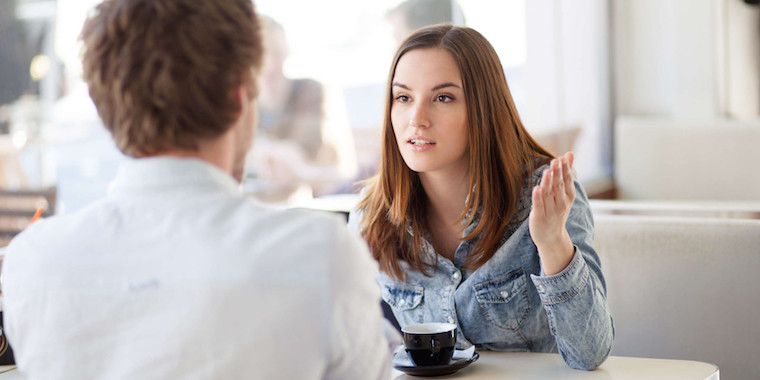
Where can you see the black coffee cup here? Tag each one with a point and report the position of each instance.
(429, 344)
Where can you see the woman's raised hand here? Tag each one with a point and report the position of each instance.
(552, 200)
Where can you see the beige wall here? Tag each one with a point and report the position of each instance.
(686, 58)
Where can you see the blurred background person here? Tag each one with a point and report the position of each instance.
(411, 15)
(304, 144)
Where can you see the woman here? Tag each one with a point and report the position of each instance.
(474, 223)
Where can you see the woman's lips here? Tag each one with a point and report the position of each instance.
(420, 144)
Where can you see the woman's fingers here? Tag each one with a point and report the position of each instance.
(549, 189)
(545, 177)
(538, 201)
(556, 189)
(559, 180)
(567, 173)
(543, 192)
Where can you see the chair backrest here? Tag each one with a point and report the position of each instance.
(17, 207)
(684, 288)
(560, 141)
(662, 159)
(704, 209)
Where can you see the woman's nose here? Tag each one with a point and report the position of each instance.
(420, 117)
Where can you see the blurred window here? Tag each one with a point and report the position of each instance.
(554, 54)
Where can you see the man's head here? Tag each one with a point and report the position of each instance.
(168, 75)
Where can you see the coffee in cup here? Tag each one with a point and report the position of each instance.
(429, 344)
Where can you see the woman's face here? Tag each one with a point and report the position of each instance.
(429, 112)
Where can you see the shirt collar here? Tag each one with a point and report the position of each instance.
(163, 172)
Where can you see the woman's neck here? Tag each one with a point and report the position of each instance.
(446, 195)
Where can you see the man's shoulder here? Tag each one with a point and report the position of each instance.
(233, 222)
(302, 223)
(301, 241)
(69, 220)
(262, 221)
(42, 244)
(60, 225)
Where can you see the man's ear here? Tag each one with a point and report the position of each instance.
(240, 95)
(250, 84)
(243, 98)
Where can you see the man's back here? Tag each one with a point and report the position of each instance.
(176, 275)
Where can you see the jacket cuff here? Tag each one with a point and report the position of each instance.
(564, 285)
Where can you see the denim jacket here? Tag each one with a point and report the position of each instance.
(508, 304)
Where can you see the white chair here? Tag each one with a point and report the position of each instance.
(684, 288)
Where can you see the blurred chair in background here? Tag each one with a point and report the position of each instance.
(17, 207)
(559, 141)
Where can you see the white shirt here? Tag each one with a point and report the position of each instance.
(175, 275)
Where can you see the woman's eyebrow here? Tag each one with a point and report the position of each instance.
(444, 85)
(397, 84)
(436, 88)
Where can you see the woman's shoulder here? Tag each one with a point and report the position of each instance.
(540, 164)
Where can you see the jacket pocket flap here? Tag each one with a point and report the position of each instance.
(402, 296)
(500, 289)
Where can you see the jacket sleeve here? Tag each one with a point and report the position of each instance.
(575, 299)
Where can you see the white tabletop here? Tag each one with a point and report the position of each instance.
(520, 365)
(8, 372)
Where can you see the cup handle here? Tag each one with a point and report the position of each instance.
(435, 345)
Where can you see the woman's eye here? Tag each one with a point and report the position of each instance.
(444, 98)
(402, 98)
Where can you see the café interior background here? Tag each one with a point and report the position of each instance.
(574, 67)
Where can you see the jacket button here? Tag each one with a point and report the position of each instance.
(455, 275)
(540, 288)
(504, 294)
(450, 320)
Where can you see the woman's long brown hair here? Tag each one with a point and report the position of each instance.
(501, 155)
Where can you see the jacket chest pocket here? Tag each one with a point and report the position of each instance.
(404, 300)
(504, 299)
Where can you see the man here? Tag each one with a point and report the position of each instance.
(175, 275)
